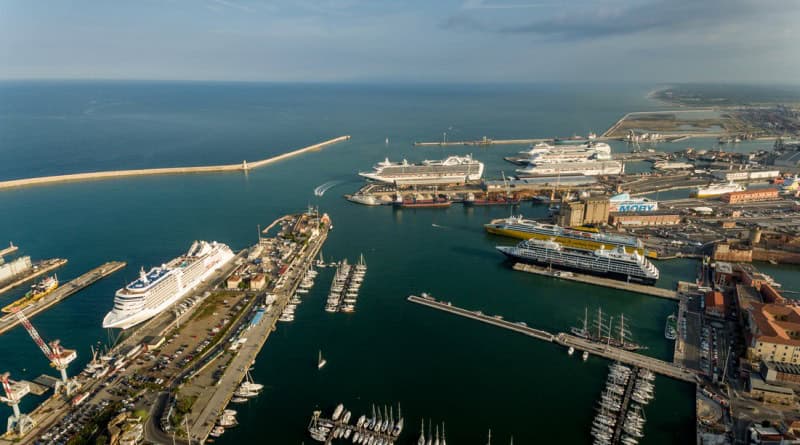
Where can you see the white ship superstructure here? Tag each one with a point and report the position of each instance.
(550, 154)
(452, 170)
(586, 168)
(717, 190)
(160, 287)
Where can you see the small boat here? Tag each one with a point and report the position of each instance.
(571, 350)
(321, 362)
(585, 355)
(238, 400)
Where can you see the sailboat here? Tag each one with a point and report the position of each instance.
(321, 362)
(421, 440)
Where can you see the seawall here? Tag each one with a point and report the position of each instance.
(244, 166)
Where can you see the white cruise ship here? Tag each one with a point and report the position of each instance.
(158, 289)
(542, 148)
(586, 168)
(453, 170)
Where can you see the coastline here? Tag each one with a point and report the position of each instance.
(244, 166)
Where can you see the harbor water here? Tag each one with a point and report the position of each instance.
(469, 375)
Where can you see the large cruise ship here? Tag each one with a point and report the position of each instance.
(518, 227)
(453, 170)
(156, 290)
(613, 263)
(586, 168)
(717, 190)
(549, 154)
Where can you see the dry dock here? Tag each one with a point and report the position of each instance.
(566, 340)
(599, 281)
(244, 166)
(39, 268)
(7, 322)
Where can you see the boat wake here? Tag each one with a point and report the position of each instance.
(438, 226)
(320, 190)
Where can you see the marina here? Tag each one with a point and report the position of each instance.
(345, 286)
(8, 322)
(379, 429)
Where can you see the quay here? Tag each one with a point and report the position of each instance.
(38, 268)
(257, 336)
(7, 322)
(567, 340)
(495, 320)
(244, 166)
(599, 281)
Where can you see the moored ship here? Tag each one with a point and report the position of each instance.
(452, 170)
(37, 292)
(586, 168)
(422, 201)
(156, 290)
(717, 190)
(614, 263)
(587, 239)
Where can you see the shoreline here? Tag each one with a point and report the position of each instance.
(110, 174)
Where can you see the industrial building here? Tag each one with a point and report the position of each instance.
(645, 219)
(750, 196)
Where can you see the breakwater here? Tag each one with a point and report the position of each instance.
(244, 166)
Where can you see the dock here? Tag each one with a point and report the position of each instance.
(38, 268)
(566, 340)
(244, 166)
(599, 281)
(495, 320)
(235, 371)
(8, 250)
(9, 321)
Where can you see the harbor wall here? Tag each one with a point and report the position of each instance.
(244, 166)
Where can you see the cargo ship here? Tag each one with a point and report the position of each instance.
(717, 190)
(452, 170)
(578, 238)
(159, 288)
(37, 292)
(496, 200)
(612, 263)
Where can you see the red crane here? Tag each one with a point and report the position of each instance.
(59, 357)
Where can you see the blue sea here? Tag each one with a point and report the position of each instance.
(471, 376)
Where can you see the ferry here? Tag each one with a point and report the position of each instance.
(585, 168)
(452, 170)
(623, 202)
(614, 263)
(160, 287)
(578, 238)
(548, 154)
(37, 292)
(717, 190)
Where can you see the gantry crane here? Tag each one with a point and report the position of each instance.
(59, 357)
(18, 423)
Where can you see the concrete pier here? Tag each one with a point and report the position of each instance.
(566, 340)
(8, 250)
(244, 166)
(39, 268)
(599, 281)
(8, 321)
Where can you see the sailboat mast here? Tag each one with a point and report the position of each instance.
(622, 330)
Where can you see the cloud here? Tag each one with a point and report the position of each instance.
(231, 5)
(483, 4)
(608, 18)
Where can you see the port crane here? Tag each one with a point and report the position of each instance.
(59, 357)
(18, 423)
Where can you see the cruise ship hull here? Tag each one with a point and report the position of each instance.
(127, 319)
(585, 244)
(514, 254)
(423, 180)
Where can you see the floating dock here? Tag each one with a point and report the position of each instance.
(8, 321)
(244, 166)
(599, 281)
(566, 340)
(38, 268)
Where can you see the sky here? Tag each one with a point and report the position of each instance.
(403, 41)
